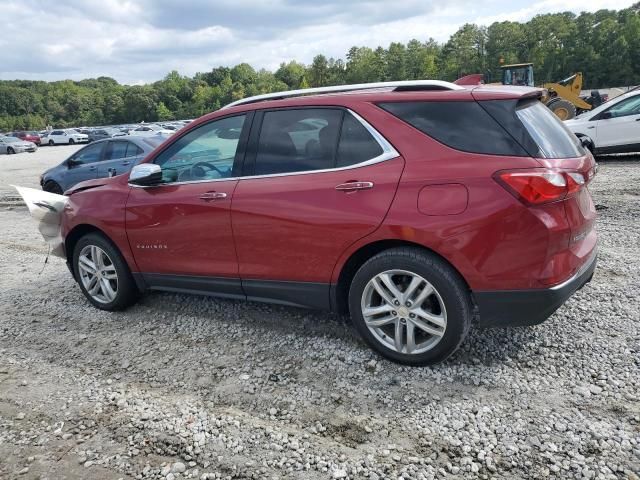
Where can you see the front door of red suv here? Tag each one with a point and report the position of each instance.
(180, 231)
(318, 179)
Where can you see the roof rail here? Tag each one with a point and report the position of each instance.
(405, 85)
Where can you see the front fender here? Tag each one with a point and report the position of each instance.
(102, 208)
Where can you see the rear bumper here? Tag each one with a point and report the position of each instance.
(510, 308)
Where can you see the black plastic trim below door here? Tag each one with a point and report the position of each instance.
(215, 286)
(297, 294)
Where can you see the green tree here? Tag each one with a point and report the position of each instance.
(162, 112)
(319, 71)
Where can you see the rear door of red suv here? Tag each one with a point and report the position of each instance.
(316, 180)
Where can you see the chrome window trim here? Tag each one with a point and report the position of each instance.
(388, 153)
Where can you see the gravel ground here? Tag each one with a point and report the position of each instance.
(192, 387)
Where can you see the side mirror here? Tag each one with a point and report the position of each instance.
(145, 174)
(605, 116)
(72, 163)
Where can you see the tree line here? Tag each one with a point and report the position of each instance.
(604, 45)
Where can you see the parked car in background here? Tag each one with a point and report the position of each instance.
(613, 127)
(102, 158)
(66, 137)
(150, 130)
(413, 206)
(102, 133)
(11, 145)
(28, 137)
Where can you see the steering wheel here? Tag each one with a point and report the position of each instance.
(208, 165)
(198, 170)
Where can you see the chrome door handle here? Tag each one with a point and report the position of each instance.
(126, 163)
(213, 196)
(353, 186)
(92, 168)
(591, 127)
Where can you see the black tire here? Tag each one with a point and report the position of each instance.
(51, 143)
(450, 287)
(564, 109)
(52, 187)
(10, 151)
(127, 292)
(71, 141)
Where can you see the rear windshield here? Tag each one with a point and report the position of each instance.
(553, 138)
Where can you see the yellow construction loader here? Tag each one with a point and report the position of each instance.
(562, 98)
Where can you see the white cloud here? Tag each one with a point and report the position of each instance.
(138, 41)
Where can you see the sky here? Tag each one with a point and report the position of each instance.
(140, 41)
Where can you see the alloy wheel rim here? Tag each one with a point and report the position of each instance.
(404, 312)
(98, 274)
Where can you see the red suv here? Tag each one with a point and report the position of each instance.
(28, 137)
(413, 206)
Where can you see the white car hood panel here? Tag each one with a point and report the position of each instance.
(46, 209)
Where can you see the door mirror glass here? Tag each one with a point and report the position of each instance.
(146, 174)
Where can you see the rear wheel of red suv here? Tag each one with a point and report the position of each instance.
(410, 306)
(102, 273)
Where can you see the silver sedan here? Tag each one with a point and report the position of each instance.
(10, 145)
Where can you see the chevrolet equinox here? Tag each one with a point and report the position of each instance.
(414, 207)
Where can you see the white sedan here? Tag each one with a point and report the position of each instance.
(150, 130)
(64, 137)
(613, 127)
(10, 145)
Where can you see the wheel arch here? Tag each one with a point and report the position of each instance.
(82, 229)
(340, 292)
(75, 234)
(592, 145)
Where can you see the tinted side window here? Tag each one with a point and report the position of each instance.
(356, 143)
(553, 138)
(298, 140)
(116, 150)
(89, 154)
(464, 126)
(205, 153)
(57, 132)
(630, 106)
(133, 150)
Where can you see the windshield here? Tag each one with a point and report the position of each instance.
(553, 138)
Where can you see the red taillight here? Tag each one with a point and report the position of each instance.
(539, 186)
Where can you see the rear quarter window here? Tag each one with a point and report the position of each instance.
(553, 138)
(464, 126)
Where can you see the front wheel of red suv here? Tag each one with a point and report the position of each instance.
(410, 306)
(103, 274)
